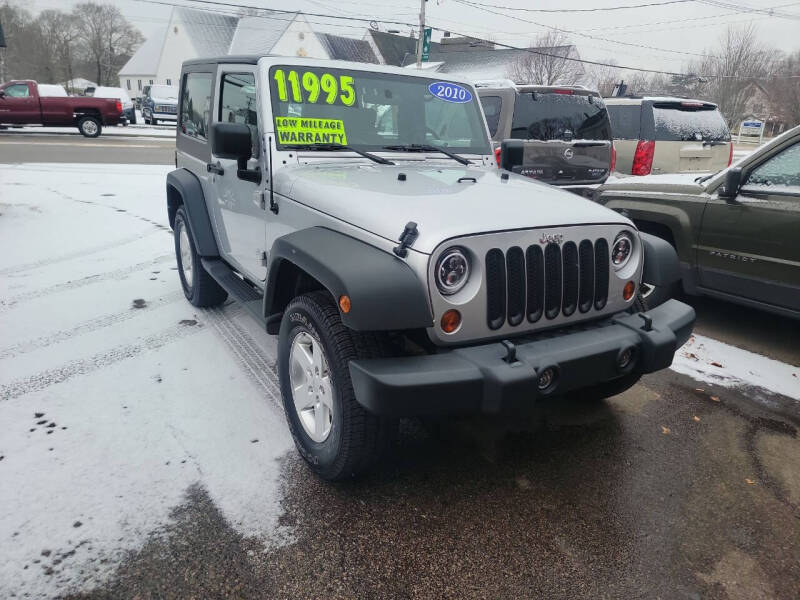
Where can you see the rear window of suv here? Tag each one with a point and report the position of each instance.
(685, 121)
(559, 116)
(625, 120)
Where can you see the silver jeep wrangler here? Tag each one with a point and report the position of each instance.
(357, 212)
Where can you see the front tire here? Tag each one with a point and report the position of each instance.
(199, 287)
(153, 121)
(90, 127)
(335, 435)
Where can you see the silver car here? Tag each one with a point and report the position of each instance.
(356, 212)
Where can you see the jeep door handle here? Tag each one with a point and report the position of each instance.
(215, 168)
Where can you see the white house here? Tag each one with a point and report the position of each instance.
(196, 33)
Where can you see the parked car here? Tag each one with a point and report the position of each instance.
(160, 103)
(565, 130)
(22, 104)
(128, 109)
(669, 135)
(497, 291)
(736, 231)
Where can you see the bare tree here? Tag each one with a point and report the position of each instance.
(784, 89)
(550, 66)
(58, 35)
(106, 37)
(604, 78)
(737, 61)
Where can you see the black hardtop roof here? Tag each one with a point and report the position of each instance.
(243, 59)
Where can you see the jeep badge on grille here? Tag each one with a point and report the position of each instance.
(551, 238)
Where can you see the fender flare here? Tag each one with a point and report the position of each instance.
(661, 266)
(384, 292)
(184, 188)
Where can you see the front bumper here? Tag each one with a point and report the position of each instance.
(165, 116)
(481, 379)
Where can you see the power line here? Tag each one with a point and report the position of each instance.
(742, 8)
(585, 10)
(458, 33)
(571, 32)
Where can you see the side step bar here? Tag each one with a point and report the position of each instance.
(241, 291)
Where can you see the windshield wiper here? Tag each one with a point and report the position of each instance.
(703, 178)
(428, 148)
(334, 147)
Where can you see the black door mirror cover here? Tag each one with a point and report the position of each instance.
(232, 141)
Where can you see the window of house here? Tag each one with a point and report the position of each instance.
(128, 82)
(18, 90)
(169, 82)
(151, 82)
(140, 85)
(196, 105)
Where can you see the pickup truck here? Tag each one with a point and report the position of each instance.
(22, 104)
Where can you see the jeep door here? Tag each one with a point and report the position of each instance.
(239, 207)
(750, 245)
(567, 136)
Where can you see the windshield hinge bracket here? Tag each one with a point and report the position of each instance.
(407, 238)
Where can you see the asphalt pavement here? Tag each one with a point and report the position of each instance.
(674, 489)
(74, 148)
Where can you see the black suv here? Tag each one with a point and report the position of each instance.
(565, 130)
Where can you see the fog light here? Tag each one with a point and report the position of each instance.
(628, 290)
(625, 357)
(451, 321)
(546, 379)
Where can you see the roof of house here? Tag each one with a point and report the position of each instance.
(145, 60)
(395, 48)
(345, 48)
(258, 34)
(211, 33)
(482, 62)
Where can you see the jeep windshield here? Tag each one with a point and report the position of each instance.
(317, 107)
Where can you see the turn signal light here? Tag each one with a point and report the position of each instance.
(628, 290)
(730, 153)
(344, 304)
(451, 320)
(497, 152)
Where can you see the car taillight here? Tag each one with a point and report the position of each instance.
(497, 155)
(564, 92)
(119, 106)
(730, 154)
(643, 159)
(613, 158)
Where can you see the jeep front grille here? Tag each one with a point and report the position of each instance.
(532, 284)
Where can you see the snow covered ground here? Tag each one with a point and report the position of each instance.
(116, 395)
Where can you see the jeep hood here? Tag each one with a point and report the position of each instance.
(445, 201)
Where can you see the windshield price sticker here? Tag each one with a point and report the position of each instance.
(450, 92)
(310, 88)
(296, 130)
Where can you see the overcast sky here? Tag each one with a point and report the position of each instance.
(686, 26)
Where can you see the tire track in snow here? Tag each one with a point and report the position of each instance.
(86, 327)
(76, 254)
(76, 283)
(247, 354)
(50, 377)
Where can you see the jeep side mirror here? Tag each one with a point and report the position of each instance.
(511, 152)
(733, 181)
(234, 141)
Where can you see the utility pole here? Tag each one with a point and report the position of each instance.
(421, 34)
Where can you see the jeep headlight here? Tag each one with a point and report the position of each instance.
(622, 250)
(452, 270)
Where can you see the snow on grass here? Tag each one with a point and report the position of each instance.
(712, 361)
(139, 394)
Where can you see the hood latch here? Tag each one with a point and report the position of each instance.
(408, 237)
